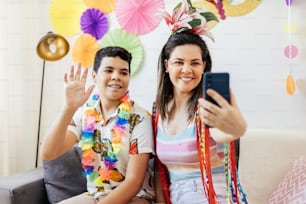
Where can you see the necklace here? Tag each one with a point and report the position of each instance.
(91, 146)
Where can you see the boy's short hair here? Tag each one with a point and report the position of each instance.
(112, 51)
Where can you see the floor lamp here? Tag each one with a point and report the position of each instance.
(50, 47)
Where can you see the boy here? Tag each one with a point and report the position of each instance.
(114, 133)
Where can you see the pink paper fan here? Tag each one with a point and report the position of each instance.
(94, 22)
(139, 16)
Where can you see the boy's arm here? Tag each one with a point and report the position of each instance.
(58, 140)
(158, 185)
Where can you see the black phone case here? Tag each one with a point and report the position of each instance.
(218, 81)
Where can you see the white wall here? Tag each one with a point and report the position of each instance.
(249, 47)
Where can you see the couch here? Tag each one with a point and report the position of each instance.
(265, 158)
(54, 181)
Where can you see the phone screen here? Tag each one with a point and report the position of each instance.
(218, 81)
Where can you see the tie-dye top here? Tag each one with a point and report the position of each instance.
(180, 155)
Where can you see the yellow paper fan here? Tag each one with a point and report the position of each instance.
(84, 50)
(65, 16)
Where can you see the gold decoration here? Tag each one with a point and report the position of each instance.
(232, 10)
(52, 47)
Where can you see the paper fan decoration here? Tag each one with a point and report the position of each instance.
(94, 22)
(130, 42)
(106, 6)
(139, 16)
(65, 16)
(84, 50)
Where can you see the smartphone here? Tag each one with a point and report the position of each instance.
(218, 81)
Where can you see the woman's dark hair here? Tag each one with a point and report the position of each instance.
(112, 51)
(165, 86)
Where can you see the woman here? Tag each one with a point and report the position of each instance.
(185, 175)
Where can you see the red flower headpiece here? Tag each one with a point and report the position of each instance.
(185, 17)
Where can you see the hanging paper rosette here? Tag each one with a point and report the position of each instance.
(290, 51)
(106, 6)
(289, 2)
(290, 85)
(84, 50)
(65, 16)
(94, 22)
(130, 42)
(139, 16)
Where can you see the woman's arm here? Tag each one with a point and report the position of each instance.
(227, 120)
(135, 174)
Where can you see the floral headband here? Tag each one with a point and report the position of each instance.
(185, 17)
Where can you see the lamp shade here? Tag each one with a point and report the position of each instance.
(52, 47)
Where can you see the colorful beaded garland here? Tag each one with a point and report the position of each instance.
(235, 193)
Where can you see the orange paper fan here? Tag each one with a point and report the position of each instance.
(106, 6)
(84, 50)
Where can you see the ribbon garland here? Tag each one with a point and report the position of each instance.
(219, 6)
(233, 188)
(203, 142)
(163, 173)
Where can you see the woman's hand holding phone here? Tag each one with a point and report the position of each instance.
(219, 109)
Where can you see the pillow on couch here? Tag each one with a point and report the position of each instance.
(63, 176)
(292, 189)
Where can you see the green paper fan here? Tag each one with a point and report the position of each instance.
(130, 42)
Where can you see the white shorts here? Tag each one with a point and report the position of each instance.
(191, 191)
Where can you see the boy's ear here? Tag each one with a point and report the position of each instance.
(94, 74)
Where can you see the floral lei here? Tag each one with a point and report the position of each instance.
(101, 174)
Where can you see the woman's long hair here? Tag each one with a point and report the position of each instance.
(165, 87)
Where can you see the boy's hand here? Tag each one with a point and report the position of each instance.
(75, 93)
